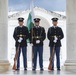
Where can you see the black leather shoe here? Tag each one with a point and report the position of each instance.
(52, 69)
(58, 69)
(17, 69)
(41, 69)
(33, 69)
(25, 69)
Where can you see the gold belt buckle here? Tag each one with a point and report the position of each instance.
(21, 35)
(37, 37)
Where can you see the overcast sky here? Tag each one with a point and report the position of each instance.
(55, 5)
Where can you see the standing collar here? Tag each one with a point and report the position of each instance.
(54, 26)
(37, 26)
(21, 26)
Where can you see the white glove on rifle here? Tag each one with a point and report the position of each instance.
(37, 41)
(31, 44)
(20, 39)
(55, 39)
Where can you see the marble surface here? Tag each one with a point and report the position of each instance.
(3, 30)
(71, 34)
(29, 72)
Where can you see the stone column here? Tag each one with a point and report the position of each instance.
(4, 63)
(70, 63)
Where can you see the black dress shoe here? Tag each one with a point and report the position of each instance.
(17, 69)
(52, 69)
(58, 69)
(41, 69)
(25, 69)
(33, 69)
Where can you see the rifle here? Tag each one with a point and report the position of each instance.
(50, 63)
(15, 58)
(32, 48)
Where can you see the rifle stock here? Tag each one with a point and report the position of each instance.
(15, 58)
(50, 63)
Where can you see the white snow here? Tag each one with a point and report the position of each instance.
(60, 12)
(11, 13)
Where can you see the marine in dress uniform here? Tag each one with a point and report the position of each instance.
(20, 35)
(37, 36)
(55, 34)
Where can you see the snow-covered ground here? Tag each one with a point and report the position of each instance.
(12, 23)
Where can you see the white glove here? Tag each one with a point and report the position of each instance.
(31, 44)
(20, 40)
(55, 39)
(38, 41)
